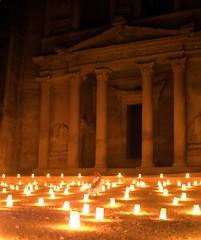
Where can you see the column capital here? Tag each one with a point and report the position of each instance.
(178, 64)
(103, 73)
(146, 68)
(74, 77)
(45, 80)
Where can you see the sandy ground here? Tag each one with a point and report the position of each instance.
(27, 220)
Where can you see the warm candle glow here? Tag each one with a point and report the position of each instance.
(119, 175)
(136, 210)
(161, 175)
(126, 195)
(112, 202)
(187, 175)
(66, 206)
(103, 189)
(86, 197)
(196, 209)
(9, 202)
(183, 196)
(163, 214)
(85, 208)
(132, 188)
(183, 187)
(41, 202)
(99, 213)
(74, 219)
(79, 175)
(165, 192)
(175, 201)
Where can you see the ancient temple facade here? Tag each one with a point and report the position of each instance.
(106, 85)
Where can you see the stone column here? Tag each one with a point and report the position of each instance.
(44, 130)
(178, 67)
(102, 75)
(147, 114)
(74, 120)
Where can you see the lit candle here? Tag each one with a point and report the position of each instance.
(132, 188)
(79, 175)
(195, 183)
(99, 213)
(114, 184)
(74, 219)
(62, 175)
(161, 175)
(32, 175)
(136, 210)
(139, 176)
(103, 189)
(163, 214)
(187, 175)
(18, 175)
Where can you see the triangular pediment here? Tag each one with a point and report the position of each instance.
(121, 33)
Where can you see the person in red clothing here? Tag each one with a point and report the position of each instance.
(96, 184)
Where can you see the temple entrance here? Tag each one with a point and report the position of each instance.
(134, 133)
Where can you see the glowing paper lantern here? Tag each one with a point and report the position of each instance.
(165, 192)
(132, 188)
(41, 202)
(103, 188)
(126, 195)
(66, 205)
(195, 183)
(85, 208)
(9, 202)
(163, 214)
(179, 183)
(139, 176)
(183, 196)
(114, 184)
(48, 175)
(86, 197)
(175, 201)
(196, 209)
(32, 175)
(18, 175)
(136, 210)
(62, 175)
(74, 219)
(119, 175)
(187, 175)
(79, 175)
(99, 213)
(4, 190)
(161, 175)
(3, 175)
(112, 202)
(183, 187)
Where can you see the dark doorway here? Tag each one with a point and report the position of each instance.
(134, 131)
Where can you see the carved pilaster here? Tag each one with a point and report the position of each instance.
(74, 120)
(44, 129)
(102, 76)
(146, 70)
(178, 67)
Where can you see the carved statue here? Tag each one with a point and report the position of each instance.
(59, 140)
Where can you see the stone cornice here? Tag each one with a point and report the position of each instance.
(128, 50)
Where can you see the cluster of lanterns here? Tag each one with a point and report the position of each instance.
(74, 215)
